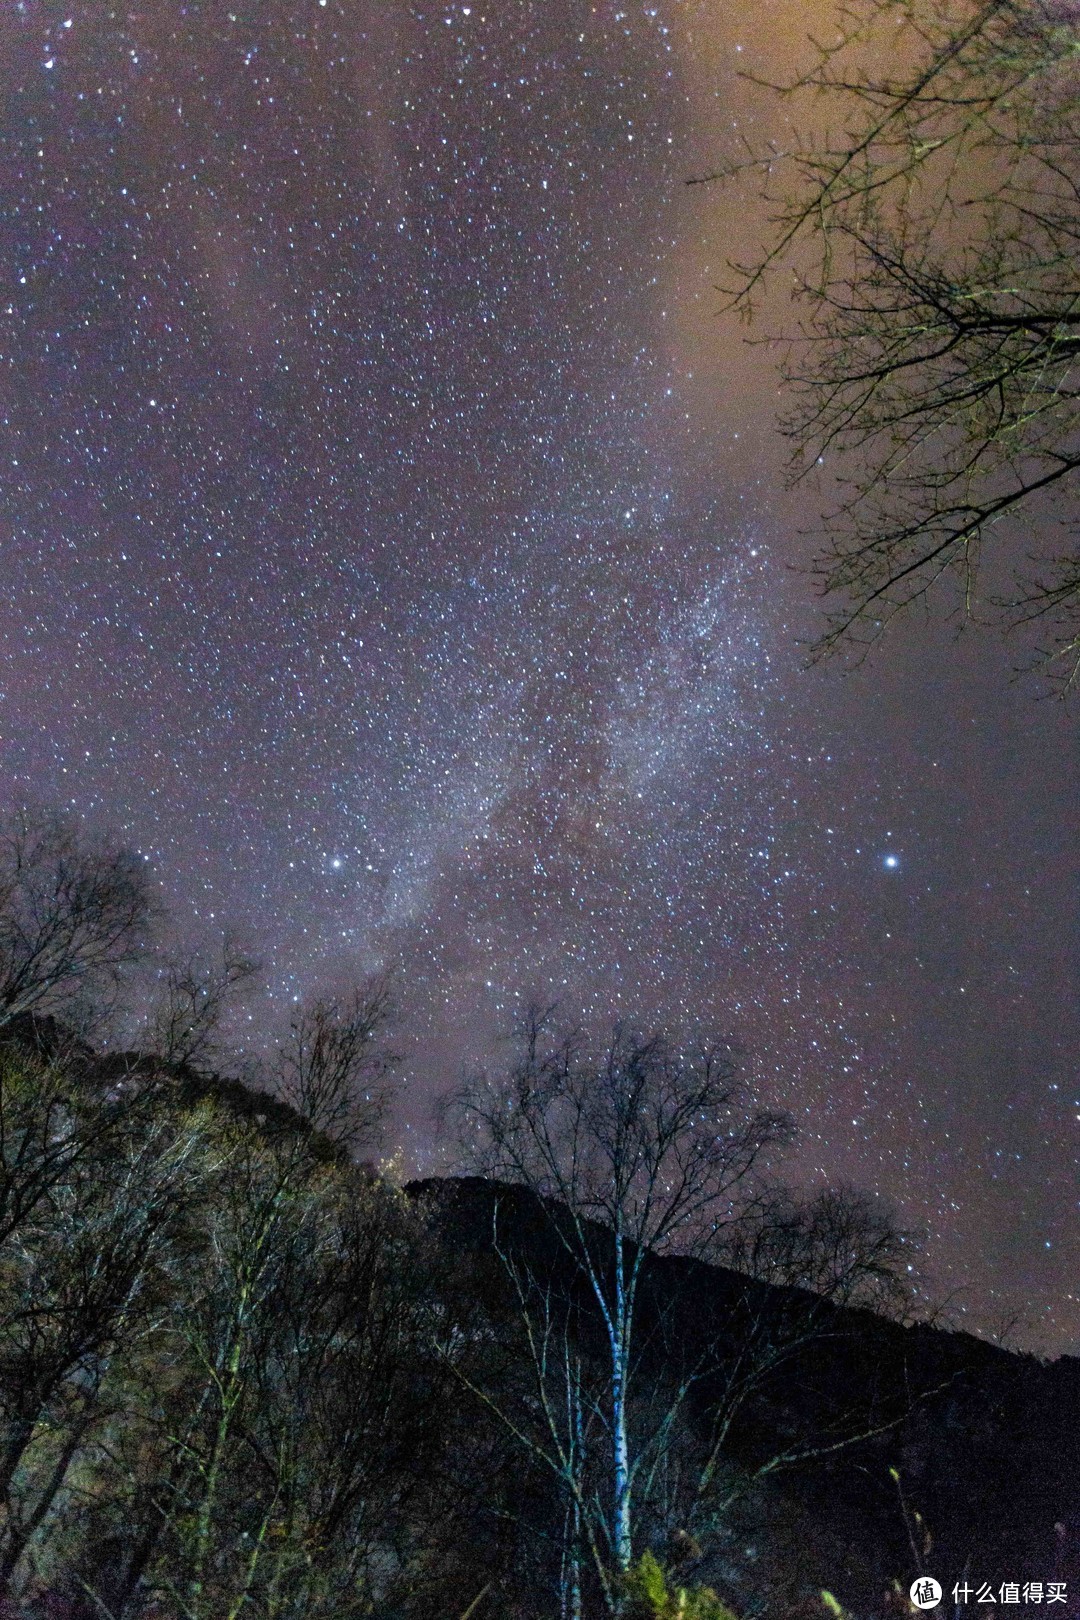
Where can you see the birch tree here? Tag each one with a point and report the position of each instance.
(636, 1151)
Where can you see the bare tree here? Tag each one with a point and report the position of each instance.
(93, 1192)
(41, 1138)
(841, 1244)
(641, 1150)
(195, 998)
(796, 1258)
(292, 1421)
(531, 1364)
(932, 230)
(332, 1068)
(718, 1353)
(72, 914)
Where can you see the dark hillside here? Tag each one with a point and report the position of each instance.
(974, 1473)
(242, 1374)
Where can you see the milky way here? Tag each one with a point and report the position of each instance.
(394, 553)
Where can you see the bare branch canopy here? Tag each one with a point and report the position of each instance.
(931, 231)
(72, 913)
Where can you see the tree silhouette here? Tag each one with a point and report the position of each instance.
(931, 231)
(637, 1151)
(72, 914)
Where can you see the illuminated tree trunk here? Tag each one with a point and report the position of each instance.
(621, 1537)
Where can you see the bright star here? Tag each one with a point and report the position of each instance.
(892, 862)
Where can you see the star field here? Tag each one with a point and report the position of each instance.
(394, 552)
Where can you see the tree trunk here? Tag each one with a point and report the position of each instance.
(20, 1534)
(621, 1539)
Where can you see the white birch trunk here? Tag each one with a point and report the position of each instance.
(620, 1333)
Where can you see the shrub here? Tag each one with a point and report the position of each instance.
(650, 1598)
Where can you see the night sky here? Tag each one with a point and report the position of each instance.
(395, 551)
